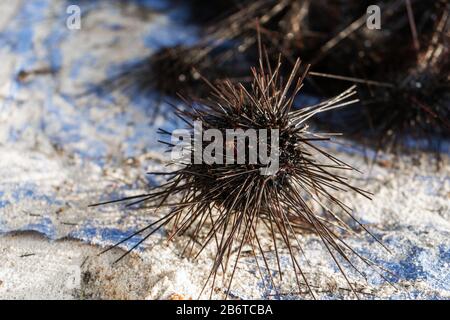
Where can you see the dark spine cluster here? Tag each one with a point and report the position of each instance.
(232, 206)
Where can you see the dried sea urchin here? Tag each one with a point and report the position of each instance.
(234, 208)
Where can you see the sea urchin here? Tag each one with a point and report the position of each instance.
(239, 207)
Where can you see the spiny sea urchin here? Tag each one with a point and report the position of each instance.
(232, 206)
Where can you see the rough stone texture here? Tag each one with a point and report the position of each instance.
(59, 153)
